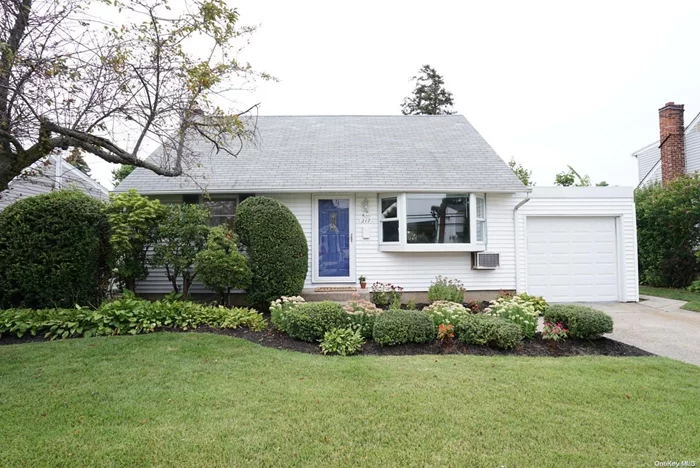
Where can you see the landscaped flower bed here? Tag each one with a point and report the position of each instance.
(507, 326)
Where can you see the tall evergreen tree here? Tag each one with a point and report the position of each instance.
(430, 96)
(76, 159)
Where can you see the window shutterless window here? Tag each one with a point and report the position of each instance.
(432, 222)
(437, 219)
(221, 211)
(480, 219)
(389, 218)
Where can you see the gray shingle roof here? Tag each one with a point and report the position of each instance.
(345, 153)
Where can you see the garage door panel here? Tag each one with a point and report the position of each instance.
(572, 258)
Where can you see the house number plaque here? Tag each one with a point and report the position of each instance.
(365, 217)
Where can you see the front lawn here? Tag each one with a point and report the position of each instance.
(670, 293)
(190, 399)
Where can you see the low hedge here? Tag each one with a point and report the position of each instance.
(397, 326)
(580, 321)
(124, 316)
(480, 329)
(311, 320)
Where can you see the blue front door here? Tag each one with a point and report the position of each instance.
(334, 238)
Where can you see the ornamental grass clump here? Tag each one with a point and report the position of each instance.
(445, 289)
(516, 310)
(446, 312)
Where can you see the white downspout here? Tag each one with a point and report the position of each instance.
(515, 236)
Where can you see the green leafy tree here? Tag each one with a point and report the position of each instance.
(134, 222)
(668, 217)
(430, 96)
(181, 236)
(571, 177)
(78, 74)
(120, 173)
(221, 266)
(523, 174)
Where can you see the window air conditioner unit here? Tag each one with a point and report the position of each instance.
(485, 261)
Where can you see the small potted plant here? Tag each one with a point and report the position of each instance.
(363, 281)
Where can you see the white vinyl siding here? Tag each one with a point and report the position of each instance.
(692, 146)
(647, 166)
(611, 202)
(44, 182)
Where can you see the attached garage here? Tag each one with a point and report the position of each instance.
(572, 258)
(578, 244)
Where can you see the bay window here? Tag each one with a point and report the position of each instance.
(432, 222)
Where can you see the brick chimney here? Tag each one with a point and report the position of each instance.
(672, 141)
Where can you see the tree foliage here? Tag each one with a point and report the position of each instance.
(220, 266)
(430, 96)
(53, 251)
(276, 245)
(668, 217)
(120, 173)
(181, 236)
(76, 159)
(134, 222)
(523, 174)
(79, 74)
(571, 177)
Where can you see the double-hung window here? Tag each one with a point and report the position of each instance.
(222, 210)
(389, 219)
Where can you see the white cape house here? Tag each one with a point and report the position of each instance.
(403, 199)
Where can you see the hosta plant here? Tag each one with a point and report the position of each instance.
(343, 341)
(537, 302)
(446, 312)
(517, 311)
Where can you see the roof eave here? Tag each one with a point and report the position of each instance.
(327, 190)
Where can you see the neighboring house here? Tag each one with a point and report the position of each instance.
(403, 199)
(677, 152)
(47, 179)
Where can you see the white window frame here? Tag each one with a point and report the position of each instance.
(398, 217)
(221, 197)
(479, 219)
(404, 246)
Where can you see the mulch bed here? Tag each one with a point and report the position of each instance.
(535, 347)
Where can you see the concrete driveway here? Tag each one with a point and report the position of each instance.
(656, 325)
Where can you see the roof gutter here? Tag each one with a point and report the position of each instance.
(515, 236)
(263, 190)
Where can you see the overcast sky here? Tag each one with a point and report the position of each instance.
(548, 83)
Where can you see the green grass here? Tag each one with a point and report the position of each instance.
(670, 293)
(208, 400)
(693, 306)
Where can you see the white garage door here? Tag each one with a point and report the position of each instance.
(572, 259)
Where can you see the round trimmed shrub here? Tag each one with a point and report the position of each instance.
(480, 329)
(276, 245)
(311, 320)
(580, 321)
(397, 326)
(53, 251)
